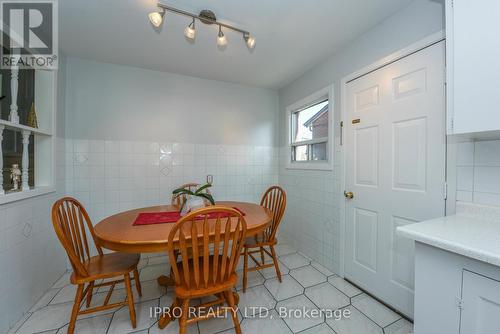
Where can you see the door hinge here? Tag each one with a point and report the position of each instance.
(445, 190)
(460, 303)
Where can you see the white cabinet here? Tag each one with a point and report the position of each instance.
(455, 294)
(473, 69)
(480, 304)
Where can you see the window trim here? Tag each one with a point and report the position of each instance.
(322, 94)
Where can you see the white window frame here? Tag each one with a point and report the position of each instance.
(44, 138)
(322, 94)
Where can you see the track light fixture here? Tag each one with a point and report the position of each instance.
(205, 16)
(156, 18)
(190, 31)
(221, 38)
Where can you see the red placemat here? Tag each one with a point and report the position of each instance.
(151, 218)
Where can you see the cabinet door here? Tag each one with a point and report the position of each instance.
(480, 304)
(473, 50)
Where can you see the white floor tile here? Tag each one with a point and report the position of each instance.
(286, 289)
(121, 320)
(173, 328)
(65, 295)
(254, 278)
(325, 296)
(320, 329)
(344, 286)
(271, 271)
(93, 325)
(402, 326)
(376, 311)
(356, 323)
(63, 280)
(255, 300)
(307, 276)
(283, 249)
(299, 321)
(153, 272)
(295, 260)
(47, 318)
(45, 299)
(324, 270)
(158, 260)
(217, 325)
(270, 324)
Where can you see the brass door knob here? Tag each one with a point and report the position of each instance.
(348, 194)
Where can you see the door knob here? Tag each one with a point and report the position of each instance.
(348, 194)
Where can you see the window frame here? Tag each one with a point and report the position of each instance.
(320, 95)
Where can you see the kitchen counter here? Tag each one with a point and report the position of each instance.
(457, 271)
(473, 232)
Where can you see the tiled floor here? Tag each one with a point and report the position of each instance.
(305, 284)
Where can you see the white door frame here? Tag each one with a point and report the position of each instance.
(415, 47)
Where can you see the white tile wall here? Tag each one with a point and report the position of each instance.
(312, 218)
(112, 176)
(478, 172)
(31, 257)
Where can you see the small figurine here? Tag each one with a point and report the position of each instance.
(15, 176)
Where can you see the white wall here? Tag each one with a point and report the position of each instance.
(114, 102)
(31, 257)
(312, 216)
(134, 135)
(478, 172)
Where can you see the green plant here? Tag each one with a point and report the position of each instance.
(200, 192)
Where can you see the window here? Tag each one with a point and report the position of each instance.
(310, 132)
(27, 142)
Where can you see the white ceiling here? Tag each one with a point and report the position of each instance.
(291, 35)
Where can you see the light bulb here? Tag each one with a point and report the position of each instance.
(190, 31)
(156, 18)
(250, 42)
(221, 39)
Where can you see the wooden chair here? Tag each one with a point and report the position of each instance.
(275, 200)
(205, 265)
(179, 199)
(71, 223)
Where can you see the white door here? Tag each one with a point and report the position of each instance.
(480, 305)
(395, 168)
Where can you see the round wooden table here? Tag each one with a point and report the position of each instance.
(117, 232)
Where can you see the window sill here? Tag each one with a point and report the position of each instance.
(324, 166)
(21, 195)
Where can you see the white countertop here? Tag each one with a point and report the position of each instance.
(473, 232)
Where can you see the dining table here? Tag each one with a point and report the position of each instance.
(118, 232)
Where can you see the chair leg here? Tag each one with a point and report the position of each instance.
(230, 301)
(184, 316)
(137, 282)
(245, 270)
(130, 299)
(262, 259)
(89, 294)
(168, 317)
(76, 307)
(276, 264)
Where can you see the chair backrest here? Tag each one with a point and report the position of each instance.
(180, 199)
(71, 222)
(275, 200)
(211, 239)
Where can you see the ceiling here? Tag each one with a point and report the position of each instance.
(292, 35)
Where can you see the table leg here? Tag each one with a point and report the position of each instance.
(165, 281)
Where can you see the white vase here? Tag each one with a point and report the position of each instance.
(192, 203)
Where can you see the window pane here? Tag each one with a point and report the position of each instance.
(319, 151)
(300, 153)
(311, 122)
